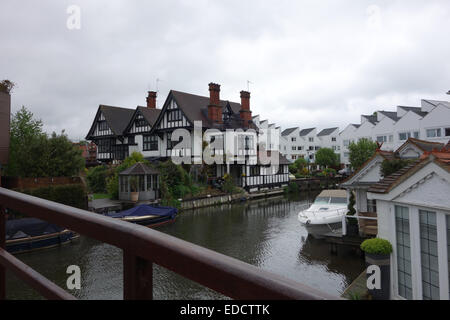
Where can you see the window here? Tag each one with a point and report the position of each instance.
(433, 133)
(429, 255)
(346, 143)
(317, 148)
(404, 136)
(311, 148)
(294, 157)
(371, 205)
(102, 126)
(131, 140)
(403, 252)
(174, 115)
(150, 143)
(381, 139)
(391, 138)
(105, 145)
(140, 121)
(293, 139)
(299, 148)
(294, 148)
(170, 143)
(346, 154)
(416, 134)
(333, 139)
(447, 132)
(311, 139)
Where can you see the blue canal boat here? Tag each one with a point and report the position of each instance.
(147, 215)
(30, 234)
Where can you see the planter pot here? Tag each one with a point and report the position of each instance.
(134, 196)
(352, 229)
(383, 261)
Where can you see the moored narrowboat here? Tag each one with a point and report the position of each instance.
(147, 215)
(30, 234)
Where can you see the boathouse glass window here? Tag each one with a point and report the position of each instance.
(371, 205)
(403, 252)
(150, 143)
(429, 255)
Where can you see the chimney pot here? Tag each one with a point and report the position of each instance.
(151, 99)
(245, 113)
(214, 108)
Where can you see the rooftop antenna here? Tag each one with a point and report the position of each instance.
(248, 85)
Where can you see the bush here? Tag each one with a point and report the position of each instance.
(96, 179)
(71, 195)
(376, 246)
(389, 167)
(292, 188)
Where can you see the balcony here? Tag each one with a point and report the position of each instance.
(142, 247)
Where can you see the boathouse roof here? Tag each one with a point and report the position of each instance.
(139, 169)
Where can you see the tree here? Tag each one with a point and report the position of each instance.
(326, 157)
(389, 167)
(361, 152)
(298, 166)
(34, 154)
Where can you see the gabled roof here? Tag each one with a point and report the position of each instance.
(195, 108)
(437, 102)
(327, 132)
(117, 119)
(387, 155)
(390, 114)
(305, 132)
(416, 110)
(422, 145)
(387, 183)
(371, 118)
(150, 114)
(288, 131)
(138, 169)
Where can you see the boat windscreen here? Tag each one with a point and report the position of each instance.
(336, 200)
(322, 200)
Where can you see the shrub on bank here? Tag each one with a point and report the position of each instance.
(73, 195)
(292, 188)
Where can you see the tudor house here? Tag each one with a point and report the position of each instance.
(148, 130)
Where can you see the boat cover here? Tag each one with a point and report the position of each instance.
(333, 193)
(29, 227)
(145, 210)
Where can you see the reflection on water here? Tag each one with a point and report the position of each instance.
(265, 233)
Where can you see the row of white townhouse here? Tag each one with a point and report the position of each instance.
(429, 122)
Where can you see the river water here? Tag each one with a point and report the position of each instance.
(265, 233)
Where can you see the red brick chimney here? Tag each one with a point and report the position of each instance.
(245, 113)
(151, 99)
(214, 108)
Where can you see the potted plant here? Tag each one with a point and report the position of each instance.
(134, 183)
(378, 252)
(352, 223)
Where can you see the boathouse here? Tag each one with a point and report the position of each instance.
(141, 179)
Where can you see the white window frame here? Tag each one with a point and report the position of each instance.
(416, 264)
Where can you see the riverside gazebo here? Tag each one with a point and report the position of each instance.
(139, 178)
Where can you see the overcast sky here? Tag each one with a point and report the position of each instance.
(310, 63)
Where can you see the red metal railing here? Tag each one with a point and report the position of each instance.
(141, 248)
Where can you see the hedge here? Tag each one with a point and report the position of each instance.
(73, 195)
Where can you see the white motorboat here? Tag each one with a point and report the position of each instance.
(325, 214)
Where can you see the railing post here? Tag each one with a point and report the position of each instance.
(344, 225)
(3, 246)
(137, 278)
